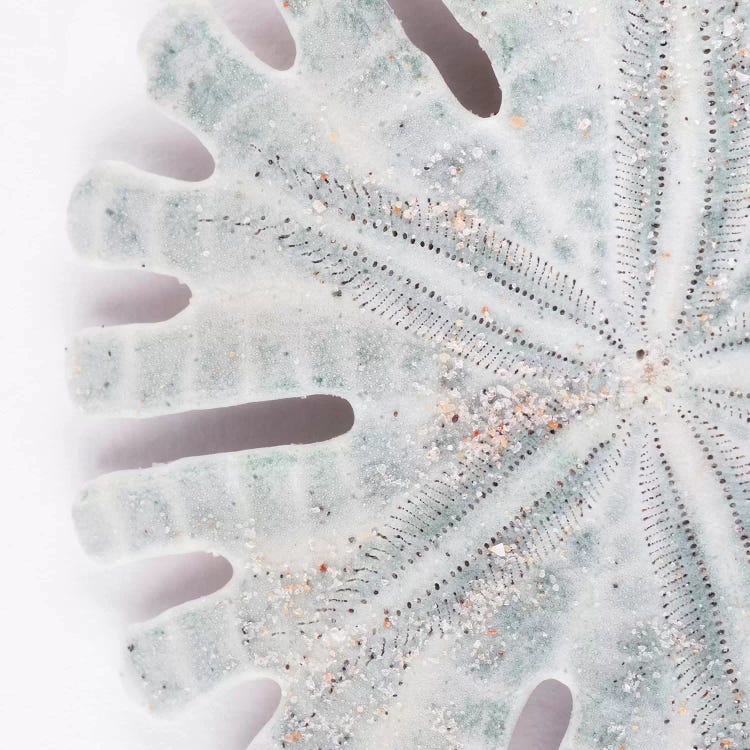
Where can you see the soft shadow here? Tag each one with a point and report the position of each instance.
(151, 141)
(464, 65)
(259, 25)
(138, 591)
(107, 298)
(429, 24)
(544, 719)
(137, 443)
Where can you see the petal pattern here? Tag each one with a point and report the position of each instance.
(539, 320)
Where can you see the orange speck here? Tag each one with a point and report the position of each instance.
(492, 631)
(324, 175)
(386, 623)
(333, 136)
(517, 121)
(390, 57)
(292, 736)
(397, 210)
(328, 676)
(475, 433)
(742, 51)
(552, 424)
(710, 281)
(485, 309)
(585, 134)
(232, 354)
(322, 567)
(732, 121)
(726, 743)
(666, 255)
(286, 3)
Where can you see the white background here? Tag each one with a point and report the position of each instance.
(72, 94)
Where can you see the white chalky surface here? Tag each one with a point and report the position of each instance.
(539, 320)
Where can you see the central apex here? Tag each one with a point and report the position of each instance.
(646, 380)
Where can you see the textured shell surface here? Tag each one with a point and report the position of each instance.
(540, 320)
